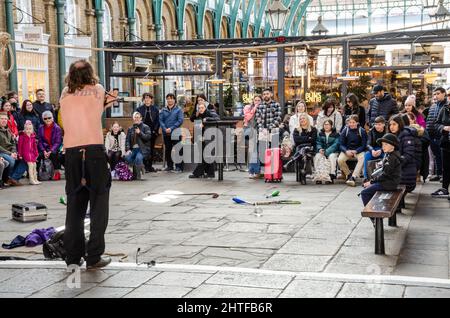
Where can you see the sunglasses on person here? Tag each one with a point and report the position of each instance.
(48, 118)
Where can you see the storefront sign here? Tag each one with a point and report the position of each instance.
(313, 97)
(32, 34)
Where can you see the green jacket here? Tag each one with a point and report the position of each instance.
(7, 141)
(330, 144)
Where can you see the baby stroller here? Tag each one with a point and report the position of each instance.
(303, 159)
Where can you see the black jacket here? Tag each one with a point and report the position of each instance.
(391, 171)
(305, 138)
(372, 138)
(143, 139)
(40, 108)
(153, 123)
(442, 121)
(432, 118)
(385, 107)
(408, 151)
(361, 112)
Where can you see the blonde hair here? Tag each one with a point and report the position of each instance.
(308, 124)
(28, 123)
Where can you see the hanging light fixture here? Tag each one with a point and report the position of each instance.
(319, 29)
(277, 13)
(439, 15)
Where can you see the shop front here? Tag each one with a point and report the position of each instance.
(406, 62)
(32, 62)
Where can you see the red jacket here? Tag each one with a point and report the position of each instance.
(12, 125)
(27, 148)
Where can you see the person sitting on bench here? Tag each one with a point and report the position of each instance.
(386, 178)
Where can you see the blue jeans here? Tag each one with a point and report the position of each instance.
(135, 157)
(367, 157)
(369, 192)
(436, 150)
(16, 167)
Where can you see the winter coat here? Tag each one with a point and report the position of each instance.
(268, 116)
(385, 107)
(305, 138)
(353, 139)
(110, 141)
(348, 111)
(7, 141)
(442, 121)
(56, 139)
(432, 117)
(143, 139)
(171, 118)
(154, 117)
(372, 138)
(330, 144)
(408, 151)
(12, 124)
(33, 117)
(335, 117)
(40, 108)
(27, 147)
(391, 171)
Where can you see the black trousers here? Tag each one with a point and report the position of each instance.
(87, 181)
(168, 145)
(114, 158)
(445, 168)
(148, 161)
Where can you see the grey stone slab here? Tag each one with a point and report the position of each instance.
(181, 279)
(297, 263)
(162, 252)
(310, 246)
(236, 239)
(259, 280)
(62, 290)
(360, 290)
(8, 273)
(420, 270)
(105, 292)
(427, 239)
(163, 237)
(267, 218)
(245, 227)
(31, 280)
(290, 229)
(425, 257)
(159, 291)
(95, 276)
(13, 295)
(358, 269)
(311, 289)
(426, 292)
(188, 217)
(129, 279)
(222, 291)
(188, 226)
(363, 256)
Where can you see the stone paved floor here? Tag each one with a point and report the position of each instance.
(324, 235)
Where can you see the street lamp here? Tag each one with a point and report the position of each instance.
(319, 29)
(277, 13)
(440, 15)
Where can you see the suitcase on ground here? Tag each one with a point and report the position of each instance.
(29, 212)
(273, 169)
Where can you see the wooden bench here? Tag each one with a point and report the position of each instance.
(384, 204)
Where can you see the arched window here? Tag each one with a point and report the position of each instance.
(26, 12)
(107, 28)
(70, 17)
